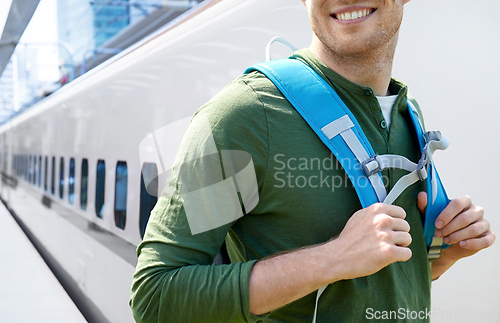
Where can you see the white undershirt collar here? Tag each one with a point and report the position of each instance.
(386, 104)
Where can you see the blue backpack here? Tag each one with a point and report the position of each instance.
(341, 133)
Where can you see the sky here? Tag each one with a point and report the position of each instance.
(43, 29)
(41, 33)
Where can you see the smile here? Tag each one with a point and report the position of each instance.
(353, 15)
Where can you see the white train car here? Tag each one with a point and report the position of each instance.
(76, 155)
(72, 164)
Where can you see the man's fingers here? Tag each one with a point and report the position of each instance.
(400, 225)
(461, 221)
(474, 230)
(422, 201)
(391, 210)
(479, 243)
(402, 253)
(456, 206)
(402, 239)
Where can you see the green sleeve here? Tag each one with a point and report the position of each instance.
(175, 280)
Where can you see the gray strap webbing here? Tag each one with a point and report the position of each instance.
(336, 127)
(400, 186)
(396, 161)
(361, 155)
(435, 141)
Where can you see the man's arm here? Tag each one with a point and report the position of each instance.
(462, 225)
(372, 239)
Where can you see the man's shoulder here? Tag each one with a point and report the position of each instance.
(245, 97)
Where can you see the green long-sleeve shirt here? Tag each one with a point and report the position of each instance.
(304, 198)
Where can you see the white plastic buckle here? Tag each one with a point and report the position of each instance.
(421, 166)
(371, 166)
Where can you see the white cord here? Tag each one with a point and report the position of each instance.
(278, 39)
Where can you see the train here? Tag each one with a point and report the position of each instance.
(82, 168)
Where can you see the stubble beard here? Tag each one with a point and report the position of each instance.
(365, 56)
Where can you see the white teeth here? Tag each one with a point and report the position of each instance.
(353, 15)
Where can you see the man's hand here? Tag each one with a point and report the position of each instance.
(461, 225)
(372, 239)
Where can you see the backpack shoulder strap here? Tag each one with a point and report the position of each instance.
(340, 132)
(437, 199)
(335, 126)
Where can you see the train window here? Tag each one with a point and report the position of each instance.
(100, 187)
(84, 184)
(46, 174)
(149, 194)
(61, 177)
(39, 171)
(121, 194)
(53, 177)
(30, 170)
(25, 167)
(71, 181)
(6, 164)
(34, 170)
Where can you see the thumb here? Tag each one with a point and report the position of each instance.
(422, 201)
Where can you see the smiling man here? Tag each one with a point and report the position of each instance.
(309, 230)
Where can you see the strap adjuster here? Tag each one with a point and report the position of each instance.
(421, 167)
(422, 173)
(435, 248)
(371, 166)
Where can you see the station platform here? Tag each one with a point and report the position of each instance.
(29, 291)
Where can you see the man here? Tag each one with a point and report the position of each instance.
(307, 229)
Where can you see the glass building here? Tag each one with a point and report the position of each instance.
(109, 19)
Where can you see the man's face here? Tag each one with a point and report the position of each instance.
(353, 27)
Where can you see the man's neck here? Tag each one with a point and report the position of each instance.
(372, 69)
